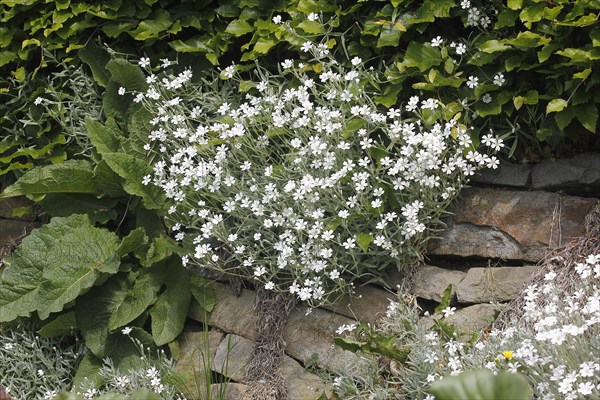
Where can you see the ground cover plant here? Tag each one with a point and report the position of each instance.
(325, 151)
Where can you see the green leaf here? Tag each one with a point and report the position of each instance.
(63, 325)
(54, 265)
(587, 114)
(515, 4)
(65, 204)
(96, 58)
(103, 138)
(422, 56)
(482, 385)
(93, 312)
(203, 292)
(136, 239)
(263, 45)
(130, 300)
(493, 46)
(171, 309)
(389, 36)
(485, 109)
(133, 170)
(72, 176)
(239, 27)
(555, 105)
(583, 74)
(128, 75)
(364, 240)
(88, 370)
(563, 118)
(150, 28)
(446, 299)
(312, 27)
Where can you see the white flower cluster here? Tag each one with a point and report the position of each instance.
(300, 185)
(557, 349)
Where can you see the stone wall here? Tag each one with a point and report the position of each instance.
(500, 228)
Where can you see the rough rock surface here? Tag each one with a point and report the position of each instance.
(309, 335)
(508, 224)
(430, 282)
(484, 285)
(193, 357)
(513, 175)
(474, 318)
(368, 304)
(235, 352)
(577, 175)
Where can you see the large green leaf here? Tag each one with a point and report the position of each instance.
(422, 56)
(93, 313)
(133, 298)
(482, 385)
(73, 176)
(102, 137)
(133, 170)
(136, 239)
(65, 204)
(170, 311)
(203, 292)
(54, 265)
(126, 74)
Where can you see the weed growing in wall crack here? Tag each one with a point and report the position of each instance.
(303, 184)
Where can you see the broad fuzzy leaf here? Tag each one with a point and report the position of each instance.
(73, 176)
(133, 170)
(422, 56)
(126, 74)
(482, 385)
(54, 265)
(170, 311)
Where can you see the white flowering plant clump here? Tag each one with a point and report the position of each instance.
(304, 184)
(556, 348)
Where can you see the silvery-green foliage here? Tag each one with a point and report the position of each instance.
(36, 367)
(304, 184)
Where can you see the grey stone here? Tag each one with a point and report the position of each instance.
(475, 318)
(578, 175)
(235, 353)
(197, 349)
(309, 335)
(484, 285)
(14, 230)
(514, 225)
(512, 175)
(369, 303)
(430, 281)
(228, 391)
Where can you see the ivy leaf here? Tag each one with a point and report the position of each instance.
(239, 27)
(491, 108)
(54, 265)
(493, 46)
(422, 56)
(555, 105)
(171, 308)
(587, 114)
(364, 240)
(312, 27)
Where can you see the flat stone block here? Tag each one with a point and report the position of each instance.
(511, 225)
(498, 284)
(430, 281)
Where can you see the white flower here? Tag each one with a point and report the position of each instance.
(437, 41)
(277, 19)
(448, 311)
(312, 16)
(126, 331)
(40, 373)
(8, 346)
(356, 61)
(144, 62)
(270, 285)
(349, 243)
(550, 276)
(499, 79)
(286, 64)
(465, 4)
(486, 98)
(306, 46)
(473, 82)
(229, 71)
(461, 48)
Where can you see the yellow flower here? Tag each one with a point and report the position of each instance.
(507, 354)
